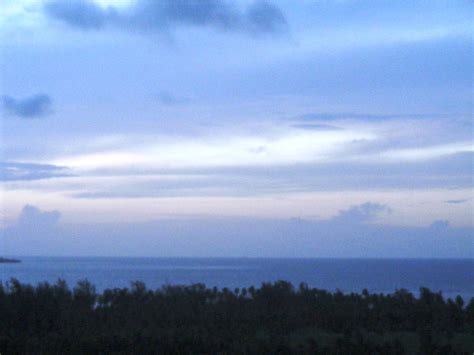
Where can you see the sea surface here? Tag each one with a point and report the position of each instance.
(451, 277)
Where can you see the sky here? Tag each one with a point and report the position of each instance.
(305, 128)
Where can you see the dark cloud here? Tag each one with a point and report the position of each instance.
(35, 106)
(264, 17)
(215, 13)
(148, 15)
(82, 14)
(169, 99)
(455, 202)
(13, 171)
(361, 213)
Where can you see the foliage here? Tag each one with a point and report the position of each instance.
(273, 319)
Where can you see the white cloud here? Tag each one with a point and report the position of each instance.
(115, 3)
(426, 153)
(281, 147)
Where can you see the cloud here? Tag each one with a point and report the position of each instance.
(456, 202)
(14, 171)
(316, 126)
(169, 99)
(35, 106)
(264, 17)
(363, 213)
(288, 147)
(354, 156)
(36, 232)
(440, 225)
(333, 116)
(232, 237)
(427, 152)
(82, 14)
(259, 18)
(33, 217)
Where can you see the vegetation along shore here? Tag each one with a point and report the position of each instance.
(275, 318)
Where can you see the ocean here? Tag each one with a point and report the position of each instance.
(450, 276)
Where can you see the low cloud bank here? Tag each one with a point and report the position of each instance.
(349, 234)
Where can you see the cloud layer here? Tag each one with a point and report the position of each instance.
(14, 171)
(38, 233)
(356, 101)
(260, 17)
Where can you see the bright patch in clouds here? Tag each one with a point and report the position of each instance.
(291, 147)
(115, 3)
(428, 153)
(274, 147)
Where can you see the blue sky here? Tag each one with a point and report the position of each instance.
(179, 118)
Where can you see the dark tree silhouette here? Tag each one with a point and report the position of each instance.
(275, 318)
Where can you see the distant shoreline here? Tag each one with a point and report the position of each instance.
(5, 260)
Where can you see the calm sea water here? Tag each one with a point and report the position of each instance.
(452, 277)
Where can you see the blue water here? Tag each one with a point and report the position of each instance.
(451, 277)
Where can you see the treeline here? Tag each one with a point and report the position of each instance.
(275, 318)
